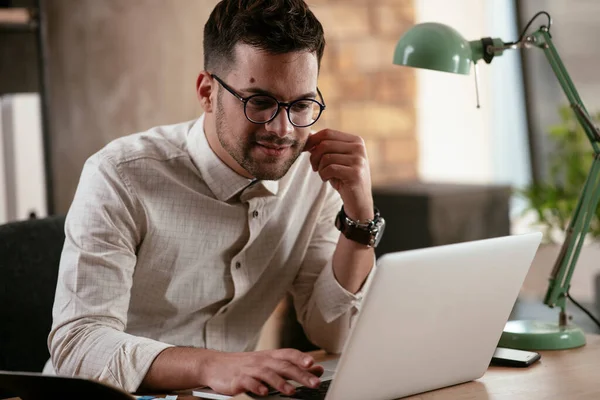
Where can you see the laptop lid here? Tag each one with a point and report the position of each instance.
(432, 317)
(35, 386)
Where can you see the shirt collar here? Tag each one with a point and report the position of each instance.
(223, 181)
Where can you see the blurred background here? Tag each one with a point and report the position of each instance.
(443, 170)
(113, 67)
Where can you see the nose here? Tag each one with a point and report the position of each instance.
(280, 125)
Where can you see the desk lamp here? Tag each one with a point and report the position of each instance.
(439, 47)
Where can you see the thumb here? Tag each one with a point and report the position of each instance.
(335, 183)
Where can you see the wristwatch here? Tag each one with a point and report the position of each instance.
(368, 232)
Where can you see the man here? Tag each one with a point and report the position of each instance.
(181, 240)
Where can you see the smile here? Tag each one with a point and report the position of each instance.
(273, 146)
(272, 149)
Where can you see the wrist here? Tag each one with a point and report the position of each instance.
(177, 368)
(362, 216)
(367, 232)
(360, 213)
(204, 362)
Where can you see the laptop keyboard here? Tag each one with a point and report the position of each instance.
(306, 393)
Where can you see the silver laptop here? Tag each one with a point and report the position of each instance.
(431, 318)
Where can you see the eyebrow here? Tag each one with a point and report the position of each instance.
(255, 90)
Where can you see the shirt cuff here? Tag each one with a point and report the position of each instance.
(128, 368)
(332, 299)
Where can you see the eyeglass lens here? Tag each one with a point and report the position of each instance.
(261, 109)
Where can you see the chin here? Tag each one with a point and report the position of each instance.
(270, 175)
(271, 169)
(271, 172)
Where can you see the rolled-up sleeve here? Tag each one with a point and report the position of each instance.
(325, 309)
(103, 228)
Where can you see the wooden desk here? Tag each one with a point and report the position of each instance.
(568, 374)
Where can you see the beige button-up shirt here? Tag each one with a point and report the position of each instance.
(167, 246)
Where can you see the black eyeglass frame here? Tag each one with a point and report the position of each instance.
(280, 104)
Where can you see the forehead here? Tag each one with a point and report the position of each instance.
(285, 74)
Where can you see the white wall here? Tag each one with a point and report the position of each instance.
(24, 183)
(457, 141)
(454, 136)
(509, 142)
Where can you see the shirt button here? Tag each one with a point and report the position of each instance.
(255, 214)
(238, 265)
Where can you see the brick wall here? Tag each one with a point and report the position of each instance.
(365, 93)
(124, 81)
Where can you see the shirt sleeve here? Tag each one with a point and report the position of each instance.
(103, 228)
(325, 309)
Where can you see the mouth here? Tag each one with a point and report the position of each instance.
(273, 149)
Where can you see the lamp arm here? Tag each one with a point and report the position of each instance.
(560, 278)
(543, 40)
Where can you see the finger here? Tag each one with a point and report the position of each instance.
(294, 356)
(250, 384)
(336, 184)
(342, 173)
(274, 379)
(349, 160)
(298, 374)
(316, 370)
(328, 134)
(310, 143)
(334, 147)
(339, 175)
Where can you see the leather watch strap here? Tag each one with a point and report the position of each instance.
(360, 232)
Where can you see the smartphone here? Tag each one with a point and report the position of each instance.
(514, 358)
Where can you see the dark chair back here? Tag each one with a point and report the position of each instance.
(29, 258)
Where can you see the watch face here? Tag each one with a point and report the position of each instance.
(380, 229)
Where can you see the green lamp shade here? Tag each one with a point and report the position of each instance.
(434, 46)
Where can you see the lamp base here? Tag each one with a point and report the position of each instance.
(540, 335)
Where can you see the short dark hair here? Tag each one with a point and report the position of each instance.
(275, 26)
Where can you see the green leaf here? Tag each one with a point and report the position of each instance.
(554, 201)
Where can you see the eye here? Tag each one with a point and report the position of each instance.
(302, 105)
(261, 102)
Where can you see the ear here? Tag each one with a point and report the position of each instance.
(204, 90)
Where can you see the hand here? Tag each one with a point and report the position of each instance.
(341, 159)
(235, 373)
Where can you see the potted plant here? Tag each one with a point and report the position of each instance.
(553, 202)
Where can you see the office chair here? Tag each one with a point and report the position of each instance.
(29, 258)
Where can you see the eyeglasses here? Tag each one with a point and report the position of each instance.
(262, 108)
